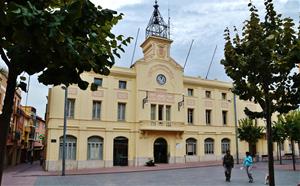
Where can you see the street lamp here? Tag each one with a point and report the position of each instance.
(64, 132)
(236, 129)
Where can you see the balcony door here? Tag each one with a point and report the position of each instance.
(160, 151)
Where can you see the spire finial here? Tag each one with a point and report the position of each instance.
(156, 5)
(156, 25)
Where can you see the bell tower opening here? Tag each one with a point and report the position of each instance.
(157, 25)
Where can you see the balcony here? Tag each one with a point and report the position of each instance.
(154, 125)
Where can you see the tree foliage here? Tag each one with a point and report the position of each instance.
(260, 63)
(57, 39)
(291, 124)
(278, 131)
(61, 40)
(248, 131)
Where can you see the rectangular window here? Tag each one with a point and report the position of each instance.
(96, 109)
(190, 92)
(168, 113)
(224, 117)
(98, 81)
(160, 112)
(208, 117)
(70, 108)
(224, 96)
(153, 112)
(121, 111)
(190, 116)
(208, 94)
(122, 84)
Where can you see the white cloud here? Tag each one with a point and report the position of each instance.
(115, 4)
(202, 20)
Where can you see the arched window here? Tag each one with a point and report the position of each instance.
(209, 146)
(225, 145)
(191, 145)
(70, 151)
(95, 148)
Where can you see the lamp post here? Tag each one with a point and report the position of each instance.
(64, 132)
(236, 129)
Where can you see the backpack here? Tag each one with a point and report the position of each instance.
(228, 160)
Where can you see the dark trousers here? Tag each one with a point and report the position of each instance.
(227, 172)
(249, 173)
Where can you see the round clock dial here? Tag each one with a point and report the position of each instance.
(161, 79)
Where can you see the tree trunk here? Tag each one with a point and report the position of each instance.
(270, 141)
(277, 150)
(280, 157)
(293, 155)
(5, 117)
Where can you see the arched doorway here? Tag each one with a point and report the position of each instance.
(120, 151)
(160, 151)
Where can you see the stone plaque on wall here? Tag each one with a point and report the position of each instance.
(208, 104)
(161, 97)
(72, 91)
(122, 95)
(190, 102)
(98, 93)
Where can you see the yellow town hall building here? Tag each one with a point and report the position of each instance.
(148, 111)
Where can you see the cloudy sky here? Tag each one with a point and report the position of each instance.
(203, 21)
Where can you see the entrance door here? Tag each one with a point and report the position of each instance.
(160, 151)
(120, 151)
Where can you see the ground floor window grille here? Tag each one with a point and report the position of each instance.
(209, 146)
(95, 148)
(225, 145)
(191, 145)
(70, 146)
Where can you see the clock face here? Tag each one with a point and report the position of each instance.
(161, 79)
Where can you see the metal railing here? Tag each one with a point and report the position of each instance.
(158, 124)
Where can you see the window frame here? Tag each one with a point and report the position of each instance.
(191, 143)
(168, 112)
(225, 145)
(190, 116)
(71, 147)
(190, 92)
(208, 94)
(121, 111)
(122, 84)
(153, 112)
(96, 112)
(224, 117)
(208, 117)
(209, 146)
(70, 110)
(93, 143)
(100, 81)
(224, 96)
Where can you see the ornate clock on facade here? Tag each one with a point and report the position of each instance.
(161, 79)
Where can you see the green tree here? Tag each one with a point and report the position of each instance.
(291, 123)
(279, 135)
(57, 39)
(249, 132)
(260, 62)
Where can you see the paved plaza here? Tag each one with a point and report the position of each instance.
(203, 175)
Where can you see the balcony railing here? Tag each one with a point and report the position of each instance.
(162, 125)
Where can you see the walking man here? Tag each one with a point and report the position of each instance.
(248, 163)
(228, 165)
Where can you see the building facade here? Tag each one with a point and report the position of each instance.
(21, 139)
(148, 111)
